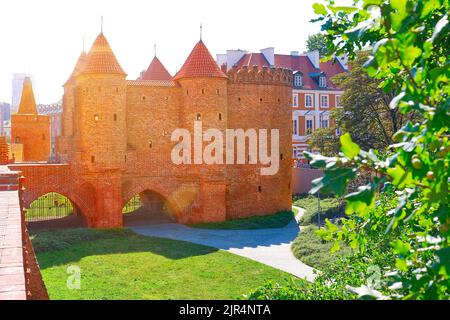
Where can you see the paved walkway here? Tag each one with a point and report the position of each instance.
(269, 246)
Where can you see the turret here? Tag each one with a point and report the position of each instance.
(100, 109)
(204, 90)
(65, 143)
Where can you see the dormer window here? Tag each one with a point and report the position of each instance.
(298, 80)
(322, 81)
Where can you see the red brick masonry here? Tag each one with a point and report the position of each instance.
(20, 277)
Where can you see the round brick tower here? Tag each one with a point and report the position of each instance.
(101, 109)
(204, 102)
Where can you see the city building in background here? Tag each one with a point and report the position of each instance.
(54, 111)
(314, 94)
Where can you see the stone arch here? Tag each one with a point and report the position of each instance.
(81, 197)
(130, 189)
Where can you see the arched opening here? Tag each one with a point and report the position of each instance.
(53, 210)
(146, 208)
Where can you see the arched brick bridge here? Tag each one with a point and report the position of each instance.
(109, 193)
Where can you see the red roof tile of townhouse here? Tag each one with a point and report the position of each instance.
(300, 63)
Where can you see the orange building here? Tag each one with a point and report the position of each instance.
(29, 129)
(116, 139)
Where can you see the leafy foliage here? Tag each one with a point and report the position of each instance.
(366, 114)
(410, 43)
(314, 251)
(318, 42)
(325, 140)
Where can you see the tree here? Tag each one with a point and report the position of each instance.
(317, 41)
(325, 141)
(366, 114)
(410, 56)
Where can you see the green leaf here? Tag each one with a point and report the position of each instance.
(361, 200)
(401, 248)
(334, 181)
(401, 264)
(319, 9)
(349, 148)
(400, 178)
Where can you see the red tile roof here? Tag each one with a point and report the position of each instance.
(299, 63)
(101, 58)
(200, 63)
(156, 71)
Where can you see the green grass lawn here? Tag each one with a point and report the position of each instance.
(119, 264)
(309, 247)
(309, 203)
(278, 220)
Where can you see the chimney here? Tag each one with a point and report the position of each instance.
(269, 54)
(314, 57)
(295, 53)
(230, 58)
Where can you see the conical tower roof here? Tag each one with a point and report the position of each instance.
(200, 63)
(27, 102)
(101, 58)
(79, 66)
(156, 71)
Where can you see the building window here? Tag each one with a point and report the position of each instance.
(115, 116)
(338, 131)
(92, 159)
(96, 118)
(308, 100)
(17, 139)
(218, 91)
(220, 117)
(295, 100)
(324, 123)
(203, 91)
(295, 127)
(259, 188)
(298, 80)
(324, 101)
(199, 117)
(338, 101)
(322, 81)
(150, 144)
(309, 126)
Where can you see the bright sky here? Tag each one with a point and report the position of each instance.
(45, 37)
